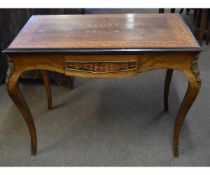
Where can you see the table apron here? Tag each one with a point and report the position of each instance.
(103, 66)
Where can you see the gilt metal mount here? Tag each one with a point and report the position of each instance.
(10, 71)
(176, 154)
(195, 69)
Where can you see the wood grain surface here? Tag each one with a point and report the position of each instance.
(110, 31)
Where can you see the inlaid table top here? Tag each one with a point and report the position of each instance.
(110, 32)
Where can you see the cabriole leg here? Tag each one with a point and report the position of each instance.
(18, 99)
(168, 77)
(46, 81)
(190, 96)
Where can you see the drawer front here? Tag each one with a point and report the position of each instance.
(101, 65)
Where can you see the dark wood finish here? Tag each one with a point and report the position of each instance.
(118, 31)
(168, 77)
(127, 32)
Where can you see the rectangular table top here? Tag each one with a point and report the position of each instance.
(104, 33)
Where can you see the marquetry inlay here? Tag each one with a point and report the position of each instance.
(105, 31)
(101, 67)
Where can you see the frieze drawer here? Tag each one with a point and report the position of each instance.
(97, 66)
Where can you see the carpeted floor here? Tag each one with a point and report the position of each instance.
(109, 122)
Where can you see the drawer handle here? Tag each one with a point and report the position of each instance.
(101, 66)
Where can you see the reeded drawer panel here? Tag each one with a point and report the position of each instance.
(101, 65)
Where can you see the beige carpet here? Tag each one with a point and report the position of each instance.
(108, 122)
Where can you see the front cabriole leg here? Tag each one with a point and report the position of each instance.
(194, 84)
(18, 99)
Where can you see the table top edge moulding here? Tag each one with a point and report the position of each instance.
(115, 31)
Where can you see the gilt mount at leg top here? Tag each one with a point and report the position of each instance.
(195, 69)
(10, 71)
